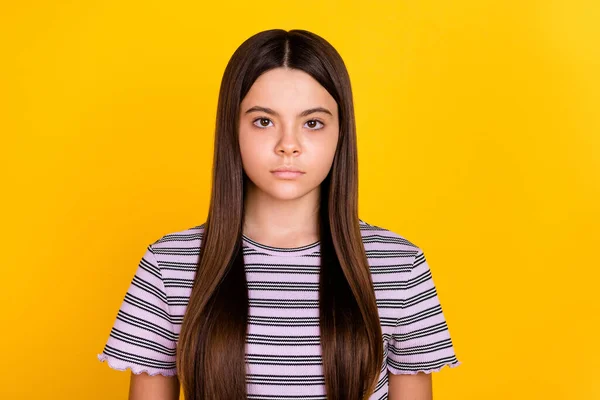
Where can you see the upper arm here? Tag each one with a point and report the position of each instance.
(153, 387)
(410, 387)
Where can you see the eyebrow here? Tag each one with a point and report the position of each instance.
(302, 114)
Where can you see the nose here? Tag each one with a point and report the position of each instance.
(288, 143)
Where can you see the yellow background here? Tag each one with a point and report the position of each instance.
(479, 139)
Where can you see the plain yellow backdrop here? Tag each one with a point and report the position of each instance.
(479, 140)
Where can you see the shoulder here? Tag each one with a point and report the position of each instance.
(380, 241)
(177, 244)
(192, 233)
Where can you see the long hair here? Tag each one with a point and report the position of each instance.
(211, 347)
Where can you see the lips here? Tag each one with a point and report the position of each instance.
(287, 168)
(287, 172)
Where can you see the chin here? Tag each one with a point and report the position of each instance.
(287, 192)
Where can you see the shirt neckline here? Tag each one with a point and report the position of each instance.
(281, 251)
(311, 248)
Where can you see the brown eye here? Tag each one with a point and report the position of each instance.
(312, 124)
(262, 122)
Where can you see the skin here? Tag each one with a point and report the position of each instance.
(410, 387)
(284, 212)
(157, 387)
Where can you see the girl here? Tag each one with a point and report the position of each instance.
(283, 292)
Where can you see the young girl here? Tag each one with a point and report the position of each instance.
(283, 292)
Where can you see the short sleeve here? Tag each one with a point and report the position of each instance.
(142, 337)
(421, 339)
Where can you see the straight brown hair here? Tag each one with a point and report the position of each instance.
(212, 342)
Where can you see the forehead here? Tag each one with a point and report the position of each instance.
(288, 89)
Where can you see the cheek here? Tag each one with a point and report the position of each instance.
(319, 156)
(325, 150)
(252, 151)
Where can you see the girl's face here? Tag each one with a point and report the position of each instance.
(287, 119)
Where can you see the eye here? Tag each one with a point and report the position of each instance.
(260, 121)
(315, 121)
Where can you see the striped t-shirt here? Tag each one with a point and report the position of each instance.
(283, 352)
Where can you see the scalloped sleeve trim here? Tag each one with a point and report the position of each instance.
(121, 365)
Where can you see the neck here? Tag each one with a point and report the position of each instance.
(293, 221)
